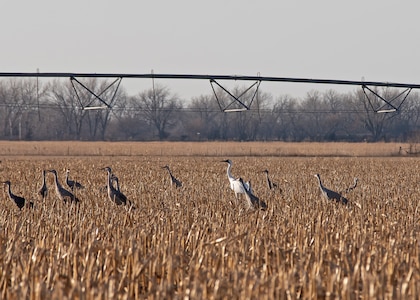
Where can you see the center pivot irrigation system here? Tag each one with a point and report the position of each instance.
(236, 103)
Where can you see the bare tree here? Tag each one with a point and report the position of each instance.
(285, 115)
(71, 100)
(313, 111)
(244, 125)
(375, 123)
(158, 107)
(203, 117)
(18, 99)
(334, 120)
(411, 110)
(99, 119)
(128, 122)
(10, 108)
(63, 97)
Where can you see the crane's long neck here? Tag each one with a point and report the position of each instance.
(248, 194)
(109, 182)
(268, 181)
(229, 174)
(9, 191)
(170, 174)
(57, 184)
(320, 183)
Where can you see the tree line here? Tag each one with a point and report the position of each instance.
(61, 110)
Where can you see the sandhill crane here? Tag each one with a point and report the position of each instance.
(353, 186)
(43, 190)
(248, 186)
(72, 184)
(174, 181)
(61, 192)
(114, 194)
(235, 184)
(252, 200)
(104, 189)
(19, 201)
(115, 179)
(329, 194)
(271, 185)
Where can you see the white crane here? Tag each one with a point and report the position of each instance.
(252, 200)
(235, 184)
(43, 190)
(329, 194)
(72, 184)
(61, 192)
(174, 181)
(19, 201)
(115, 195)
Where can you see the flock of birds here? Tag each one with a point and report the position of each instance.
(112, 189)
(115, 195)
(241, 187)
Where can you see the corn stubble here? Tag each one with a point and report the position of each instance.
(199, 242)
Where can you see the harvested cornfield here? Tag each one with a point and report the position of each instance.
(198, 241)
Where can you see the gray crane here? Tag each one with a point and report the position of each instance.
(19, 201)
(117, 182)
(61, 192)
(115, 195)
(43, 190)
(72, 184)
(353, 186)
(271, 185)
(174, 181)
(329, 194)
(252, 200)
(104, 189)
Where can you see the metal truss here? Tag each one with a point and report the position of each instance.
(391, 105)
(236, 104)
(99, 97)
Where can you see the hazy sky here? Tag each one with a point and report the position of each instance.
(377, 40)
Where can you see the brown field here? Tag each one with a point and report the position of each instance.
(231, 149)
(198, 242)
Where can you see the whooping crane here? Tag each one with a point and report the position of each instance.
(235, 184)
